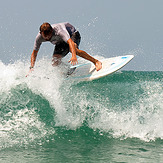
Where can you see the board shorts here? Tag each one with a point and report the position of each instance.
(63, 48)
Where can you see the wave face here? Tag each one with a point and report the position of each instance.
(45, 107)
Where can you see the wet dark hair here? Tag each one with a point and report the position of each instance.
(46, 28)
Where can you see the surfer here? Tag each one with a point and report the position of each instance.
(66, 39)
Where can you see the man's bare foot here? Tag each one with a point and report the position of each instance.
(98, 65)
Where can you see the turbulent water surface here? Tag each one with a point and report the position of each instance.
(45, 118)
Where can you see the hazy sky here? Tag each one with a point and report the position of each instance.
(108, 28)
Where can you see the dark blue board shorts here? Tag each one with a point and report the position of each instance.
(62, 48)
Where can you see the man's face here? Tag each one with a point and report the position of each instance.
(47, 37)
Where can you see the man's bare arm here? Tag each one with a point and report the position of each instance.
(72, 47)
(33, 58)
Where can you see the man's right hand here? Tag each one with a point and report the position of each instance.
(30, 71)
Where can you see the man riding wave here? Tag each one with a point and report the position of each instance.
(66, 39)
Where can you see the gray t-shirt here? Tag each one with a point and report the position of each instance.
(61, 33)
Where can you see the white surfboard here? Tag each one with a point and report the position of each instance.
(88, 72)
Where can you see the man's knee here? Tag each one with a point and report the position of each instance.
(56, 60)
(76, 46)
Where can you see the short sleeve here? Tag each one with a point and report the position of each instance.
(63, 32)
(37, 43)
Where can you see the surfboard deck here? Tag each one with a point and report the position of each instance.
(87, 71)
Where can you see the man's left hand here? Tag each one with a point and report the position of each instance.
(73, 61)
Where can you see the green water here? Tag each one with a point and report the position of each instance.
(114, 119)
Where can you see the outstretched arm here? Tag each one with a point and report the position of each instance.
(33, 59)
(72, 47)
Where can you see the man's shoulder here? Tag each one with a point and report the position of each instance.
(39, 37)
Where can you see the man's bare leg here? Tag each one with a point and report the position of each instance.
(84, 55)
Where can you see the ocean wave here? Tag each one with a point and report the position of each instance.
(123, 105)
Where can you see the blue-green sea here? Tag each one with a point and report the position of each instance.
(47, 119)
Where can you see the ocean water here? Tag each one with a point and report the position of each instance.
(45, 118)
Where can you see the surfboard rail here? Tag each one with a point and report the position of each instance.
(88, 72)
